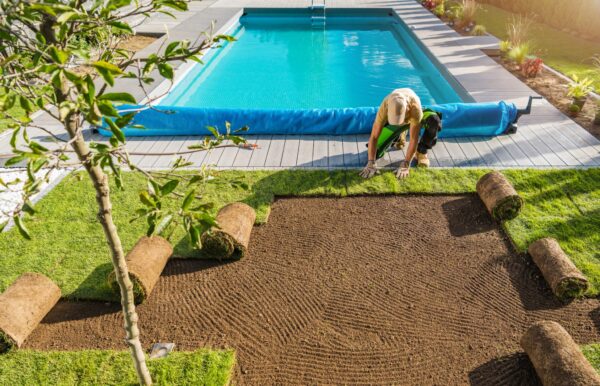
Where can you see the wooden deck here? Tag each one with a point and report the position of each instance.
(546, 138)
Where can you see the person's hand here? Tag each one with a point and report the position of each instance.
(403, 171)
(370, 170)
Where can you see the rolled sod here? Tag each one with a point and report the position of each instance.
(23, 306)
(559, 271)
(230, 240)
(146, 262)
(557, 359)
(500, 198)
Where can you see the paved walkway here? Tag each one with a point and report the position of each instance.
(546, 138)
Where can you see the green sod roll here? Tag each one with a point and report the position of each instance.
(500, 198)
(557, 359)
(230, 240)
(146, 262)
(563, 277)
(23, 306)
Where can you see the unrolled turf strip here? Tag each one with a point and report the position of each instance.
(230, 240)
(559, 271)
(146, 262)
(394, 290)
(23, 305)
(500, 198)
(557, 359)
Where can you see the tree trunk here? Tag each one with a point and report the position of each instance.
(100, 181)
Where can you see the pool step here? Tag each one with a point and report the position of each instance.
(317, 18)
(317, 21)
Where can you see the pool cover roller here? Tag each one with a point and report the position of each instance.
(459, 120)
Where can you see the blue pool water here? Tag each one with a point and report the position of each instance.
(282, 62)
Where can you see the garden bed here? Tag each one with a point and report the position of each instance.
(554, 89)
(349, 290)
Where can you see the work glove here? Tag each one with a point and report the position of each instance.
(403, 171)
(370, 170)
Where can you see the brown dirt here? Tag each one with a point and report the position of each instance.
(137, 42)
(377, 290)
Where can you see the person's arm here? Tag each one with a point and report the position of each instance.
(371, 168)
(404, 169)
(375, 133)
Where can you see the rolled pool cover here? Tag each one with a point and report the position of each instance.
(230, 240)
(500, 198)
(557, 359)
(146, 262)
(23, 306)
(562, 275)
(459, 120)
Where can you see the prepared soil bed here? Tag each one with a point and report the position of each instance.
(362, 290)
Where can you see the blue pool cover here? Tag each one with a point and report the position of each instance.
(459, 120)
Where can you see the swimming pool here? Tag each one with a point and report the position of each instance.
(280, 61)
(283, 75)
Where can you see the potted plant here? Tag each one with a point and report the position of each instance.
(532, 66)
(597, 116)
(579, 90)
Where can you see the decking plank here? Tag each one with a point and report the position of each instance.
(290, 151)
(242, 158)
(305, 151)
(320, 152)
(351, 153)
(259, 155)
(275, 152)
(335, 148)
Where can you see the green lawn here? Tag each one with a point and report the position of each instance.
(94, 367)
(560, 50)
(68, 243)
(592, 353)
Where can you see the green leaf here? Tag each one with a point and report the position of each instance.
(58, 55)
(21, 227)
(15, 160)
(13, 139)
(165, 70)
(146, 200)
(188, 199)
(26, 104)
(3, 225)
(170, 48)
(168, 187)
(116, 130)
(64, 17)
(122, 97)
(27, 208)
(107, 66)
(107, 108)
(121, 26)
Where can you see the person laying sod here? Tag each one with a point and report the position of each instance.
(402, 107)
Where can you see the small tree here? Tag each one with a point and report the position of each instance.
(62, 57)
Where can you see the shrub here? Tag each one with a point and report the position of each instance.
(518, 30)
(479, 30)
(429, 4)
(580, 88)
(468, 11)
(574, 110)
(504, 46)
(440, 10)
(519, 53)
(532, 66)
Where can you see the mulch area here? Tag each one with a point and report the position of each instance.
(554, 89)
(362, 290)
